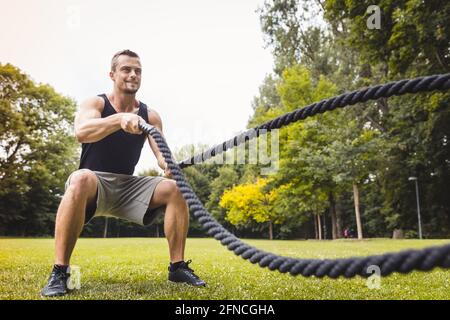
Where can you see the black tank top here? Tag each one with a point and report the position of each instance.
(118, 152)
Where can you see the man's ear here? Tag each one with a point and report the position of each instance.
(111, 75)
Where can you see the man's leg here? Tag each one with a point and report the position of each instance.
(69, 224)
(71, 213)
(176, 225)
(176, 219)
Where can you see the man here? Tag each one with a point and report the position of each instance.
(107, 127)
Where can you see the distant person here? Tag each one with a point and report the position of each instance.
(104, 185)
(346, 233)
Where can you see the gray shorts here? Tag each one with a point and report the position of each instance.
(124, 196)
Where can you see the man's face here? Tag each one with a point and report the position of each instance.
(127, 76)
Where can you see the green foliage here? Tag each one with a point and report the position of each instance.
(376, 145)
(413, 39)
(37, 152)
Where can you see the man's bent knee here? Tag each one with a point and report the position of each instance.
(83, 182)
(165, 191)
(172, 188)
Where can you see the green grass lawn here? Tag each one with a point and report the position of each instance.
(136, 268)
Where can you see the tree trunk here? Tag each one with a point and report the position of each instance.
(105, 229)
(316, 231)
(334, 231)
(270, 230)
(338, 210)
(319, 227)
(358, 216)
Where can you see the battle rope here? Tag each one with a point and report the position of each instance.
(429, 83)
(402, 262)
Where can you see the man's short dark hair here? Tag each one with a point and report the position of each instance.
(125, 52)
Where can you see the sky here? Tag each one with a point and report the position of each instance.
(203, 61)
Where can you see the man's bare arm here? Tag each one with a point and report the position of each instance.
(155, 120)
(91, 127)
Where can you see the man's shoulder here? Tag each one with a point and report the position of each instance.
(97, 102)
(153, 116)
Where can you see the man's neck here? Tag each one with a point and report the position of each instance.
(123, 102)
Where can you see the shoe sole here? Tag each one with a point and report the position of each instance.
(190, 284)
(53, 295)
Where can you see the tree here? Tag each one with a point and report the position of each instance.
(414, 35)
(37, 152)
(355, 162)
(250, 201)
(307, 163)
(413, 40)
(292, 30)
(226, 179)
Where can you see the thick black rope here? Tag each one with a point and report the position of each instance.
(402, 262)
(397, 88)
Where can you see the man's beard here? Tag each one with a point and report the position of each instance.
(130, 91)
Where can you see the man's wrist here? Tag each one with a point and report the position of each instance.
(162, 164)
(118, 120)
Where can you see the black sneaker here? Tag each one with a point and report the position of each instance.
(185, 274)
(57, 283)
